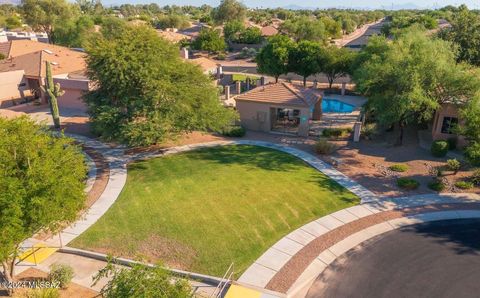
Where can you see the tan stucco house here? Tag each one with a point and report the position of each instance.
(23, 73)
(445, 119)
(280, 107)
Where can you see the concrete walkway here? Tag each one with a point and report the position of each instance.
(292, 264)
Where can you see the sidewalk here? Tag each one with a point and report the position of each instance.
(291, 264)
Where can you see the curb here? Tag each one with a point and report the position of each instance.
(212, 280)
(316, 268)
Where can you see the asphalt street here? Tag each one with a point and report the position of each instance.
(440, 259)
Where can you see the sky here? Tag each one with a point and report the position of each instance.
(385, 4)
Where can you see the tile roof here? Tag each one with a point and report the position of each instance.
(205, 63)
(269, 31)
(31, 56)
(173, 36)
(282, 93)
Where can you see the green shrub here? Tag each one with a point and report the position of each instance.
(452, 143)
(221, 56)
(369, 130)
(472, 154)
(475, 178)
(436, 185)
(61, 273)
(336, 132)
(324, 147)
(454, 165)
(407, 183)
(464, 184)
(399, 167)
(43, 293)
(439, 148)
(234, 132)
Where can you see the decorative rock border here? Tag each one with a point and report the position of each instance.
(293, 263)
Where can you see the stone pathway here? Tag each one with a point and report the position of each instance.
(293, 263)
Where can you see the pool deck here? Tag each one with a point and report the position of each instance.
(342, 120)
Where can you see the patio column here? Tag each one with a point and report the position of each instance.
(344, 86)
(262, 80)
(227, 92)
(238, 85)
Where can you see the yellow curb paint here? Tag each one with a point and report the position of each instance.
(236, 291)
(39, 253)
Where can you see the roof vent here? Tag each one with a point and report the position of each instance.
(47, 51)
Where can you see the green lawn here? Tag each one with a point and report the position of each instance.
(202, 210)
(242, 77)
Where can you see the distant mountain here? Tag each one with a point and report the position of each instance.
(396, 6)
(14, 2)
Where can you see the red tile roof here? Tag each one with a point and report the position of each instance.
(282, 93)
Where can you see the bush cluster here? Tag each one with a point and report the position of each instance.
(439, 148)
(399, 167)
(454, 165)
(464, 184)
(61, 273)
(234, 131)
(472, 154)
(408, 183)
(336, 132)
(436, 185)
(324, 147)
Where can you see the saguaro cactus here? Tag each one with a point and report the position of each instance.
(53, 91)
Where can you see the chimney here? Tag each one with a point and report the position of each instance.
(262, 80)
(227, 92)
(248, 83)
(184, 53)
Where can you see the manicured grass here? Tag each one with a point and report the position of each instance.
(202, 210)
(242, 77)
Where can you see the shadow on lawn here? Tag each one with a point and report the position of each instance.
(253, 156)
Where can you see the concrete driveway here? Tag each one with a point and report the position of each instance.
(439, 259)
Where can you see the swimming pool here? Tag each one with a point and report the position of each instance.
(335, 106)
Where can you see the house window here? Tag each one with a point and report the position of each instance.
(449, 124)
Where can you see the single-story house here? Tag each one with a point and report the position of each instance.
(23, 73)
(173, 36)
(208, 66)
(268, 31)
(280, 107)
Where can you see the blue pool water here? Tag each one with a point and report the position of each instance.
(335, 106)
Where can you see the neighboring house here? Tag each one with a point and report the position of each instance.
(23, 72)
(280, 107)
(444, 122)
(208, 66)
(18, 35)
(268, 31)
(173, 36)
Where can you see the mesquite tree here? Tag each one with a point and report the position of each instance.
(42, 185)
(53, 91)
